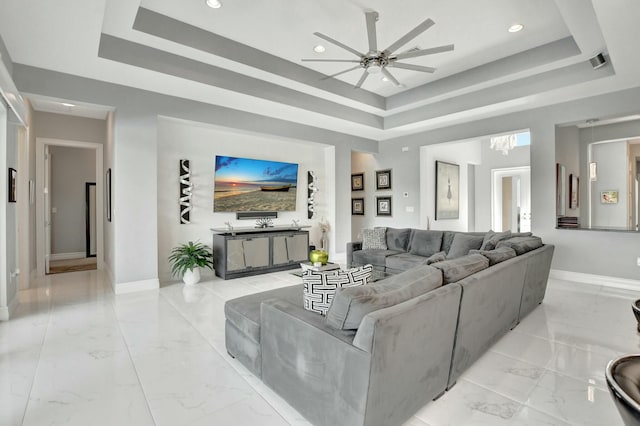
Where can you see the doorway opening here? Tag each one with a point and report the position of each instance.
(511, 199)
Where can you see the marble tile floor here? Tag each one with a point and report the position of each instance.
(76, 354)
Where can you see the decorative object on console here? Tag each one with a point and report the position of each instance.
(13, 175)
(318, 256)
(312, 188)
(383, 179)
(357, 182)
(320, 287)
(324, 228)
(108, 194)
(187, 259)
(609, 197)
(357, 206)
(383, 206)
(264, 222)
(573, 191)
(447, 190)
(186, 188)
(561, 194)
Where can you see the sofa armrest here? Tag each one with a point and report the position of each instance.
(351, 247)
(312, 366)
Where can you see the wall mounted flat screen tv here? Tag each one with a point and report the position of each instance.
(246, 185)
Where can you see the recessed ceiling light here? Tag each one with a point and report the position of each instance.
(214, 4)
(319, 48)
(515, 28)
(67, 104)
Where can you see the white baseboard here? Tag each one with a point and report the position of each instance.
(133, 286)
(7, 311)
(603, 280)
(67, 256)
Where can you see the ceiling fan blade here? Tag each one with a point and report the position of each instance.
(355, 61)
(423, 52)
(391, 78)
(337, 43)
(412, 67)
(372, 17)
(362, 79)
(424, 26)
(341, 72)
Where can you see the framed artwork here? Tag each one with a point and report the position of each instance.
(447, 190)
(561, 194)
(357, 206)
(609, 197)
(108, 194)
(383, 179)
(13, 190)
(357, 182)
(574, 183)
(383, 206)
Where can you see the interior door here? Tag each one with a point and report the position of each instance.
(47, 208)
(90, 217)
(511, 199)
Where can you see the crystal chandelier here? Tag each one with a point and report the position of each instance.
(504, 143)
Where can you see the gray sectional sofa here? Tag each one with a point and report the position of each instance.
(386, 349)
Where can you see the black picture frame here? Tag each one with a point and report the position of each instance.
(447, 190)
(383, 206)
(383, 179)
(357, 181)
(357, 206)
(13, 189)
(108, 194)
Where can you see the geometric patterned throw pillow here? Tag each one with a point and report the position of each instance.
(320, 287)
(374, 239)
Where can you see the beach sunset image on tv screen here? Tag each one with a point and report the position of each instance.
(243, 185)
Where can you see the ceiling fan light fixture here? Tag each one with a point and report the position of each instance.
(373, 69)
(318, 48)
(214, 4)
(515, 28)
(384, 78)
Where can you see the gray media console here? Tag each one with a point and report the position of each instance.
(239, 254)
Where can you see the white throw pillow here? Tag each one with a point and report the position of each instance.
(320, 287)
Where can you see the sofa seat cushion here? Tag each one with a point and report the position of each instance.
(425, 243)
(374, 257)
(462, 244)
(496, 255)
(404, 261)
(454, 270)
(244, 312)
(374, 239)
(491, 239)
(398, 239)
(351, 304)
(320, 287)
(521, 245)
(438, 257)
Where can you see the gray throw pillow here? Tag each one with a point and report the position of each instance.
(398, 239)
(351, 304)
(454, 270)
(521, 245)
(438, 257)
(496, 255)
(462, 243)
(425, 243)
(374, 239)
(491, 239)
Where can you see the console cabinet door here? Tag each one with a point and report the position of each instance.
(298, 247)
(256, 252)
(235, 255)
(280, 256)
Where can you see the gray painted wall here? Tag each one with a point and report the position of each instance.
(71, 169)
(612, 175)
(67, 127)
(6, 58)
(567, 149)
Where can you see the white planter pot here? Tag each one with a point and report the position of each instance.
(191, 277)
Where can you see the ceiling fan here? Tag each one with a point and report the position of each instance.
(375, 60)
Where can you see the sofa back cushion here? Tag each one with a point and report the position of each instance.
(374, 239)
(521, 245)
(350, 305)
(462, 243)
(425, 243)
(398, 239)
(320, 287)
(454, 270)
(491, 239)
(496, 255)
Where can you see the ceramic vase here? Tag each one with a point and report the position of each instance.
(191, 276)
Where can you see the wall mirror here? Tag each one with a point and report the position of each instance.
(601, 159)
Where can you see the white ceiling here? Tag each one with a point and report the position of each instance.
(490, 72)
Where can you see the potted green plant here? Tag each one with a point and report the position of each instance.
(187, 259)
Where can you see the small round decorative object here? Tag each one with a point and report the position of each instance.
(319, 256)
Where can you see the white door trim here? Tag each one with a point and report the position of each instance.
(40, 229)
